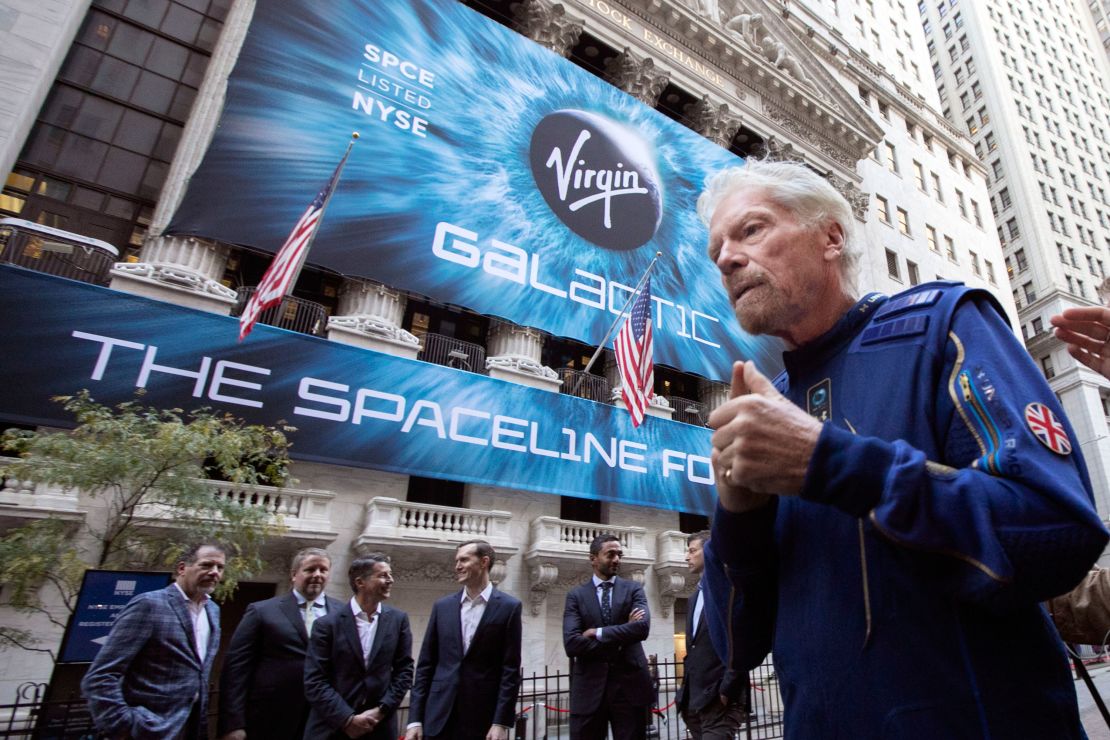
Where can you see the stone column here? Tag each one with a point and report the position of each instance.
(657, 406)
(713, 121)
(637, 77)
(712, 394)
(186, 270)
(369, 315)
(547, 24)
(514, 355)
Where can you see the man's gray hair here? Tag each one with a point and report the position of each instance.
(809, 197)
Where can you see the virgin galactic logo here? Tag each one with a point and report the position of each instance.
(598, 178)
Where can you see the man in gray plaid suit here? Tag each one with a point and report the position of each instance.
(150, 680)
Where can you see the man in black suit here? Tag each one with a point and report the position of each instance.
(471, 655)
(605, 621)
(262, 685)
(713, 701)
(359, 663)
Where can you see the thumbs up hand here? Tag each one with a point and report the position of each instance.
(762, 443)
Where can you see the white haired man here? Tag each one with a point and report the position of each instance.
(895, 505)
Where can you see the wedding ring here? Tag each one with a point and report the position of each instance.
(728, 475)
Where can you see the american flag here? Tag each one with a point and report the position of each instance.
(283, 271)
(633, 348)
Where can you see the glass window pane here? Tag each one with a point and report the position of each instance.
(147, 12)
(138, 132)
(209, 32)
(11, 202)
(168, 58)
(218, 9)
(120, 207)
(98, 118)
(182, 23)
(182, 103)
(86, 198)
(115, 78)
(152, 183)
(80, 156)
(54, 188)
(122, 170)
(97, 31)
(43, 146)
(62, 106)
(194, 70)
(80, 66)
(167, 142)
(131, 43)
(153, 92)
(20, 180)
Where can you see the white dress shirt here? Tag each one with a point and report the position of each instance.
(470, 613)
(202, 631)
(699, 601)
(367, 626)
(319, 609)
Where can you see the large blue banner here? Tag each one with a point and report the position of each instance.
(350, 406)
(103, 595)
(491, 174)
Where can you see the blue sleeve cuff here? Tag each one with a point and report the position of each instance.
(848, 471)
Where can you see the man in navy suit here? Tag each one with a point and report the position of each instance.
(262, 683)
(359, 663)
(470, 657)
(713, 700)
(150, 680)
(605, 623)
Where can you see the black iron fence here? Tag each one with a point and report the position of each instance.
(543, 709)
(295, 314)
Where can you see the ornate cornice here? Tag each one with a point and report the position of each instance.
(638, 77)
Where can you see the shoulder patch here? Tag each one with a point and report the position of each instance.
(922, 299)
(1047, 428)
(907, 326)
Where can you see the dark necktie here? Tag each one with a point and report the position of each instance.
(606, 603)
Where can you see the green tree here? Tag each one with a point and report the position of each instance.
(149, 470)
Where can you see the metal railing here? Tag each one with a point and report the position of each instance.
(295, 314)
(584, 385)
(542, 711)
(55, 253)
(451, 352)
(688, 411)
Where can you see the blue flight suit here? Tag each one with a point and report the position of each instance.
(901, 588)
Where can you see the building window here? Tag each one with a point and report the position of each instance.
(975, 263)
(1030, 294)
(990, 272)
(936, 187)
(891, 158)
(435, 491)
(903, 221)
(912, 272)
(1019, 257)
(919, 176)
(950, 248)
(883, 209)
(931, 237)
(892, 266)
(1046, 365)
(976, 214)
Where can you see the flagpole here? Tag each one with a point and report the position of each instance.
(616, 321)
(323, 208)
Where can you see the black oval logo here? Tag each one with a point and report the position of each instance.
(597, 177)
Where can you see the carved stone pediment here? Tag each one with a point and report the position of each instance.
(754, 43)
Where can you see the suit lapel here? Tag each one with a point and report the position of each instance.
(177, 603)
(349, 626)
(454, 613)
(212, 614)
(384, 620)
(690, 615)
(288, 606)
